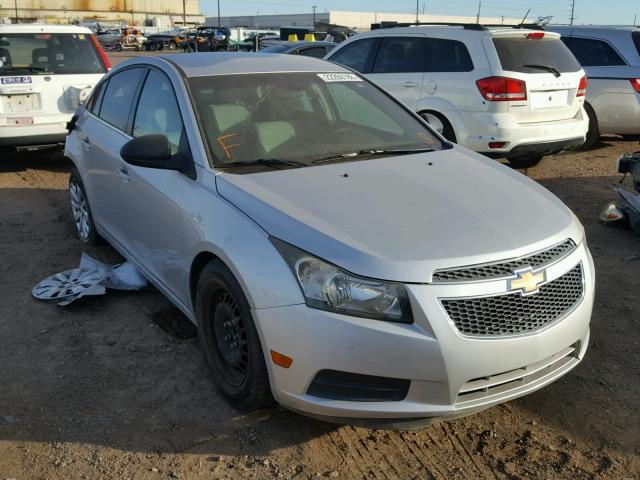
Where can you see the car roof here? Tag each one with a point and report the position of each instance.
(303, 44)
(230, 63)
(43, 28)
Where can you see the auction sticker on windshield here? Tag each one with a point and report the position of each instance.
(339, 77)
(14, 80)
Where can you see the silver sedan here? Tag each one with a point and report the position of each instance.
(336, 254)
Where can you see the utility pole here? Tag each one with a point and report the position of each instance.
(479, 8)
(219, 15)
(314, 14)
(573, 8)
(184, 13)
(635, 17)
(16, 5)
(417, 11)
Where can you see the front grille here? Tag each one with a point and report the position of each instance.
(513, 313)
(503, 269)
(479, 388)
(354, 387)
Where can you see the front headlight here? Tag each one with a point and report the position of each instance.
(328, 287)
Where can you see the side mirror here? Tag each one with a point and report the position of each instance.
(154, 151)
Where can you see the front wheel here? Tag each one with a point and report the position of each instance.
(229, 339)
(525, 162)
(118, 48)
(80, 211)
(173, 45)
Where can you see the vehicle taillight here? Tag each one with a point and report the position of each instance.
(635, 83)
(103, 56)
(535, 35)
(582, 87)
(502, 89)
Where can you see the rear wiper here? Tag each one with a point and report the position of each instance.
(548, 68)
(264, 162)
(370, 153)
(29, 68)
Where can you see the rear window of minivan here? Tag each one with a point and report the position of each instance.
(519, 54)
(636, 40)
(50, 53)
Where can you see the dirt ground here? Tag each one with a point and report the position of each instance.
(115, 386)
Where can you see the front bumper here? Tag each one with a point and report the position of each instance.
(484, 128)
(431, 353)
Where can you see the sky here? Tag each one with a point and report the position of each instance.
(610, 12)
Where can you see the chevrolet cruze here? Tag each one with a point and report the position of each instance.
(336, 254)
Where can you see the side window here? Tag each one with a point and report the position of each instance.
(594, 53)
(355, 54)
(443, 55)
(400, 54)
(158, 111)
(96, 98)
(316, 52)
(118, 97)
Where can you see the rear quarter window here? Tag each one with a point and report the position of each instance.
(515, 53)
(594, 53)
(355, 54)
(444, 55)
(636, 41)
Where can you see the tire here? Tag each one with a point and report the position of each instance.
(81, 212)
(173, 46)
(525, 162)
(237, 364)
(440, 123)
(118, 47)
(153, 47)
(145, 47)
(593, 134)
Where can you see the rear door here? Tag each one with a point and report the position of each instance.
(550, 71)
(44, 76)
(398, 67)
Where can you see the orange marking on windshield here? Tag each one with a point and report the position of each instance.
(225, 147)
(425, 138)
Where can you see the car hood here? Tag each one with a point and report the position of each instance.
(400, 218)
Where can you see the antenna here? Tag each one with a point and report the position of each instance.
(525, 17)
(573, 8)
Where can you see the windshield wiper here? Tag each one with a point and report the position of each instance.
(548, 68)
(264, 162)
(370, 153)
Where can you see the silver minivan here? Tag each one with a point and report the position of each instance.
(336, 254)
(611, 58)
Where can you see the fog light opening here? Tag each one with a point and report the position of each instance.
(497, 144)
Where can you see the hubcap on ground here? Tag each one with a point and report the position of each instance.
(80, 210)
(231, 337)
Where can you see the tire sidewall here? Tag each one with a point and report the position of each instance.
(93, 238)
(248, 396)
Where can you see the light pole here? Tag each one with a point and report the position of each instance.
(219, 14)
(417, 11)
(16, 5)
(479, 7)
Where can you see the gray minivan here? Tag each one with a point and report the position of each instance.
(611, 58)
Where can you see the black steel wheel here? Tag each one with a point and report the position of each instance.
(229, 339)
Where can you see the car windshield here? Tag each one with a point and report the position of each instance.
(276, 49)
(48, 53)
(302, 118)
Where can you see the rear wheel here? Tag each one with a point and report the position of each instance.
(593, 134)
(440, 124)
(118, 47)
(525, 162)
(153, 47)
(80, 211)
(229, 339)
(173, 45)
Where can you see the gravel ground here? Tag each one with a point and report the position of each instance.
(115, 386)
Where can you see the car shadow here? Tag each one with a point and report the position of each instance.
(51, 160)
(124, 370)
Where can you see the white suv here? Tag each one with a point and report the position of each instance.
(46, 71)
(505, 92)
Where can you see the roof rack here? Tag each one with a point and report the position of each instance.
(528, 26)
(466, 26)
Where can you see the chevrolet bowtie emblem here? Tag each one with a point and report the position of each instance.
(526, 281)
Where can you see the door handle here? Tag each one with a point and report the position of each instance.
(86, 142)
(410, 84)
(124, 174)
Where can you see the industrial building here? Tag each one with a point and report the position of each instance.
(132, 12)
(360, 21)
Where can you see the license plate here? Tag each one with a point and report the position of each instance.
(551, 99)
(14, 80)
(20, 121)
(20, 103)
